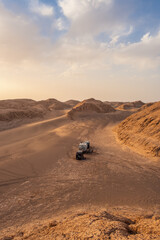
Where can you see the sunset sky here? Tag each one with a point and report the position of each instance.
(76, 49)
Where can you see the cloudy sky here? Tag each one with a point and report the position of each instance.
(106, 49)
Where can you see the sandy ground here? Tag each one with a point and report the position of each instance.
(40, 178)
(105, 224)
(141, 131)
(5, 125)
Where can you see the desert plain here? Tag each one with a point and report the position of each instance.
(45, 193)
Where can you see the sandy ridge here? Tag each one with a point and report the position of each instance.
(141, 131)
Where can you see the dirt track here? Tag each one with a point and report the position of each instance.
(39, 176)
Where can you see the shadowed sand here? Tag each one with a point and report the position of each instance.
(40, 178)
(141, 131)
(115, 223)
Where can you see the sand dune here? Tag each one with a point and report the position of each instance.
(142, 130)
(17, 112)
(126, 105)
(115, 224)
(20, 109)
(90, 105)
(16, 103)
(27, 108)
(131, 105)
(40, 178)
(145, 106)
(11, 114)
(114, 104)
(72, 102)
(53, 104)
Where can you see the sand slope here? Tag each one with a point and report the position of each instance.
(90, 105)
(53, 104)
(114, 104)
(114, 224)
(40, 178)
(27, 108)
(19, 108)
(131, 105)
(142, 130)
(16, 112)
(72, 102)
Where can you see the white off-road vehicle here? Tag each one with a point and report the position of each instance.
(85, 147)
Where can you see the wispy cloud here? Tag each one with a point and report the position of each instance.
(146, 37)
(74, 9)
(141, 55)
(60, 24)
(40, 8)
(76, 55)
(20, 41)
(115, 38)
(90, 18)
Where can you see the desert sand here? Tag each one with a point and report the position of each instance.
(41, 182)
(89, 106)
(141, 131)
(16, 112)
(131, 105)
(72, 102)
(112, 224)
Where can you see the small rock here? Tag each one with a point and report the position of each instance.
(156, 217)
(20, 234)
(52, 224)
(8, 238)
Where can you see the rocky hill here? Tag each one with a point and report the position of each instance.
(131, 105)
(53, 104)
(92, 225)
(114, 104)
(72, 102)
(19, 109)
(141, 130)
(27, 108)
(91, 105)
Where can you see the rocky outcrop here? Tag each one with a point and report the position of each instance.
(91, 105)
(72, 102)
(141, 130)
(93, 225)
(27, 108)
(53, 104)
(131, 105)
